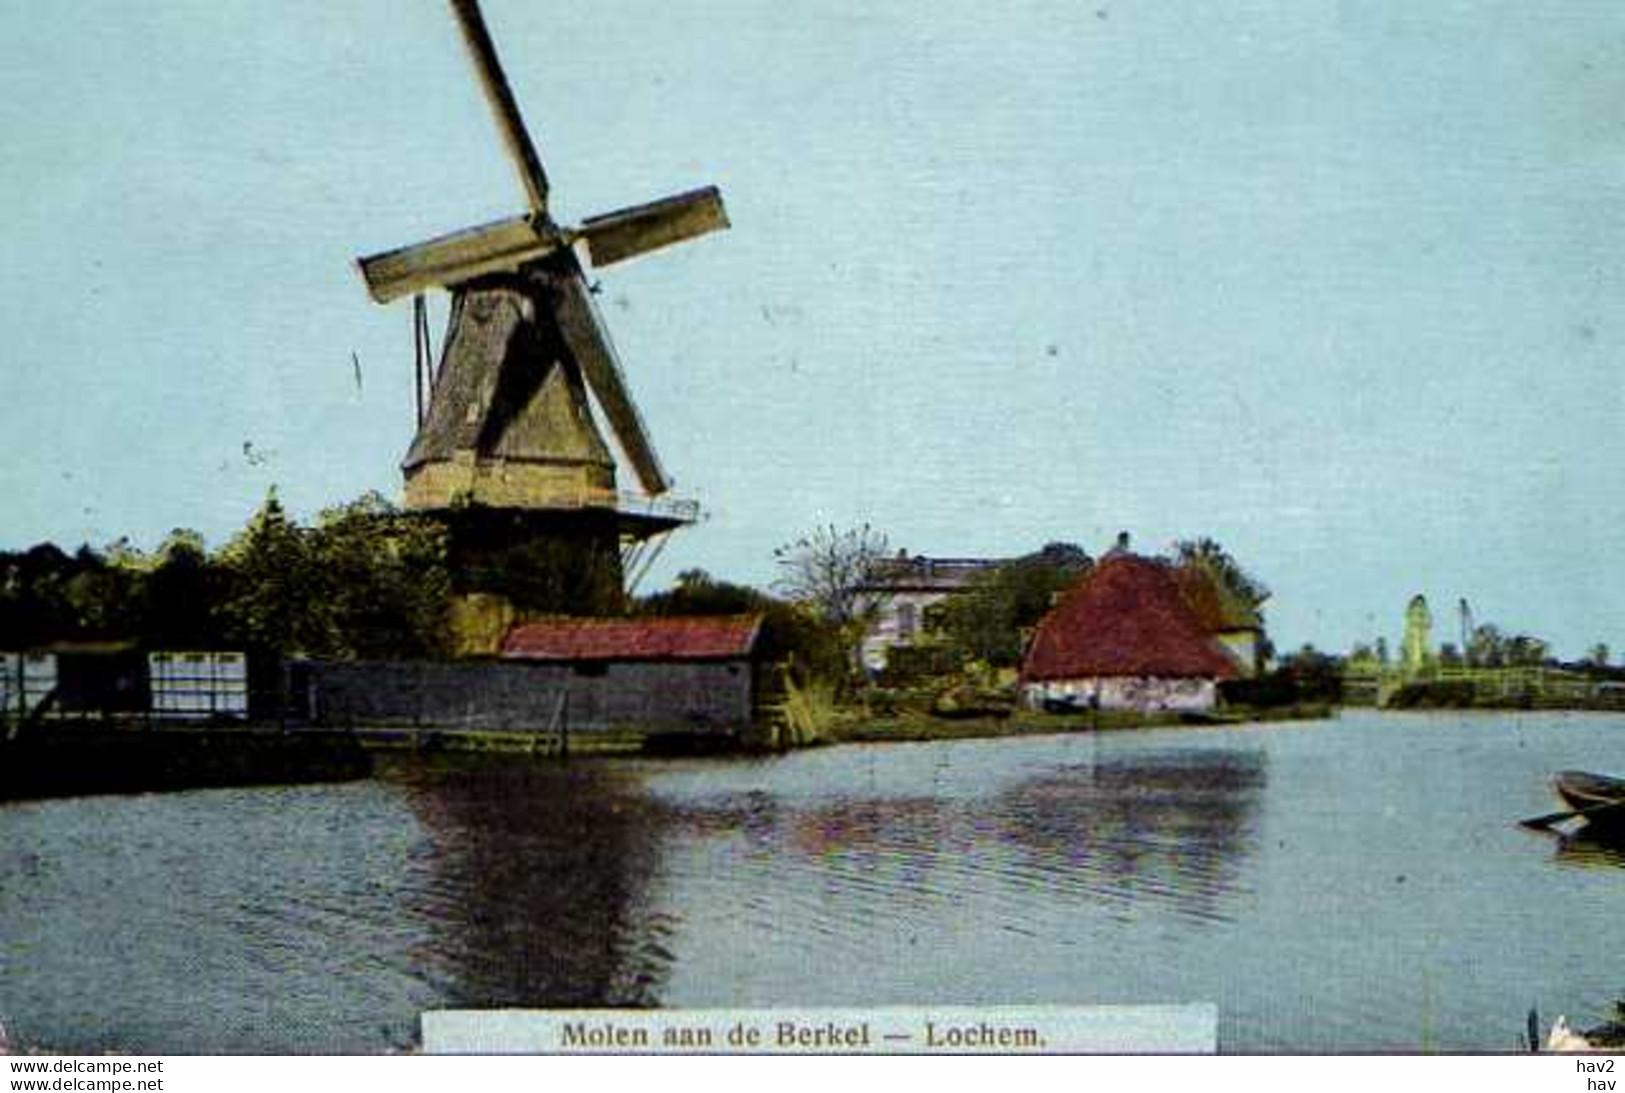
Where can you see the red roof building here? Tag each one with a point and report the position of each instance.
(652, 639)
(1226, 616)
(1125, 637)
(661, 676)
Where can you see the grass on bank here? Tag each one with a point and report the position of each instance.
(901, 727)
(811, 715)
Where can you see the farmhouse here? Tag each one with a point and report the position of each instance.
(1229, 619)
(1126, 637)
(902, 589)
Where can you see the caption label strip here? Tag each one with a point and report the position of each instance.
(985, 1030)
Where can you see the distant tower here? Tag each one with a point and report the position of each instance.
(1416, 652)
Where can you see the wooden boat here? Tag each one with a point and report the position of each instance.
(1583, 790)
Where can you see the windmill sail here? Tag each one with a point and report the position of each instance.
(508, 421)
(449, 260)
(627, 233)
(503, 107)
(589, 343)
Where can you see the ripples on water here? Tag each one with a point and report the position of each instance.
(535, 889)
(967, 872)
(219, 920)
(1353, 885)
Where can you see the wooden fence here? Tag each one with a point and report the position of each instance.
(1551, 688)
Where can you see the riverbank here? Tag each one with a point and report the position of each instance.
(1527, 688)
(73, 761)
(1463, 696)
(910, 728)
(78, 760)
(831, 726)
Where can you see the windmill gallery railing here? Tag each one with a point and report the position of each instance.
(1535, 685)
(667, 508)
(627, 503)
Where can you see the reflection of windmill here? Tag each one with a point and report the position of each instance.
(507, 447)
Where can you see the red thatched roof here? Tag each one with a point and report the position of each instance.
(566, 639)
(1125, 618)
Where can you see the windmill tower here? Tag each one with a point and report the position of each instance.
(508, 452)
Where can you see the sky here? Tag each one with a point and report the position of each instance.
(1336, 284)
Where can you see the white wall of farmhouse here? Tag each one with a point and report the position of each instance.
(1139, 693)
(1243, 647)
(899, 619)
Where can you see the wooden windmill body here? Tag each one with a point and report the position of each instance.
(508, 452)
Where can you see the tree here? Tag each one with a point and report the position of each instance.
(1523, 651)
(1209, 554)
(119, 594)
(1486, 646)
(180, 595)
(99, 597)
(1310, 675)
(698, 593)
(368, 581)
(1597, 656)
(1489, 647)
(47, 595)
(792, 635)
(990, 620)
(271, 585)
(832, 571)
(387, 586)
(182, 541)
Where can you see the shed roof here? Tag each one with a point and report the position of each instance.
(1126, 617)
(695, 638)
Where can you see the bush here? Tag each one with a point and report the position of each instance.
(806, 714)
(1432, 696)
(1286, 687)
(912, 665)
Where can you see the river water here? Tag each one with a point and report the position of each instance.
(1347, 885)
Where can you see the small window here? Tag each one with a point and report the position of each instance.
(907, 620)
(591, 668)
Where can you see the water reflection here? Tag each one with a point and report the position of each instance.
(753, 814)
(1158, 833)
(1352, 886)
(1166, 829)
(537, 892)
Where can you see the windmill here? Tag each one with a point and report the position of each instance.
(507, 448)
